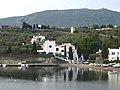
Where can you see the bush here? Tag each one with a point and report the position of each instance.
(91, 61)
(117, 61)
(106, 62)
(92, 57)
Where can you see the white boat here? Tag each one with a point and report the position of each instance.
(116, 66)
(4, 65)
(22, 65)
(105, 65)
(25, 65)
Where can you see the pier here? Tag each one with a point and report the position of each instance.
(28, 65)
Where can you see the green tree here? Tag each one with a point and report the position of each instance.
(34, 48)
(70, 53)
(24, 25)
(34, 26)
(78, 50)
(92, 57)
(103, 26)
(104, 50)
(95, 26)
(88, 46)
(65, 53)
(110, 26)
(9, 50)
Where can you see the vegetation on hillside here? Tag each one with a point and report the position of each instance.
(87, 41)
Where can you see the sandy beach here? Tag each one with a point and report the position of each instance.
(92, 67)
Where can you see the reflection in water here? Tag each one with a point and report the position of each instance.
(27, 74)
(70, 74)
(114, 80)
(84, 74)
(87, 75)
(44, 73)
(64, 76)
(57, 78)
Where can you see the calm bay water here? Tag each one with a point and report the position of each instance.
(56, 78)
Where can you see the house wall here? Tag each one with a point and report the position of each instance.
(75, 55)
(60, 50)
(114, 54)
(49, 47)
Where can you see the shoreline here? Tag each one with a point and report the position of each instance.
(91, 67)
(48, 60)
(67, 65)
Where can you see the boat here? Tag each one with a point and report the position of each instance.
(116, 66)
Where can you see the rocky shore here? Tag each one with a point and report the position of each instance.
(15, 59)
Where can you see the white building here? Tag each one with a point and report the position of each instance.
(51, 47)
(37, 39)
(39, 26)
(75, 55)
(72, 29)
(114, 54)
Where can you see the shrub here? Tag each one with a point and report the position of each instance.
(92, 57)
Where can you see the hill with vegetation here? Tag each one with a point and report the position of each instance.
(66, 18)
(15, 41)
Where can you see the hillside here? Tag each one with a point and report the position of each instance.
(63, 18)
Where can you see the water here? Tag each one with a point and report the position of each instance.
(56, 78)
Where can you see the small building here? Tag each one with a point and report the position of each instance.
(106, 29)
(37, 39)
(113, 54)
(72, 29)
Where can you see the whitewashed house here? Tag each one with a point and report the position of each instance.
(114, 54)
(37, 39)
(52, 47)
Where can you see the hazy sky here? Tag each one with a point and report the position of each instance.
(10, 8)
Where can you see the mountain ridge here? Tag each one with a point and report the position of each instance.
(66, 18)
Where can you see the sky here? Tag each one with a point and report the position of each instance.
(10, 8)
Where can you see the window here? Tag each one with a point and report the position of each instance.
(113, 58)
(57, 49)
(62, 50)
(50, 46)
(113, 53)
(118, 53)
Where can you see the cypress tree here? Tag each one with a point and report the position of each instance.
(65, 54)
(9, 50)
(34, 48)
(70, 53)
